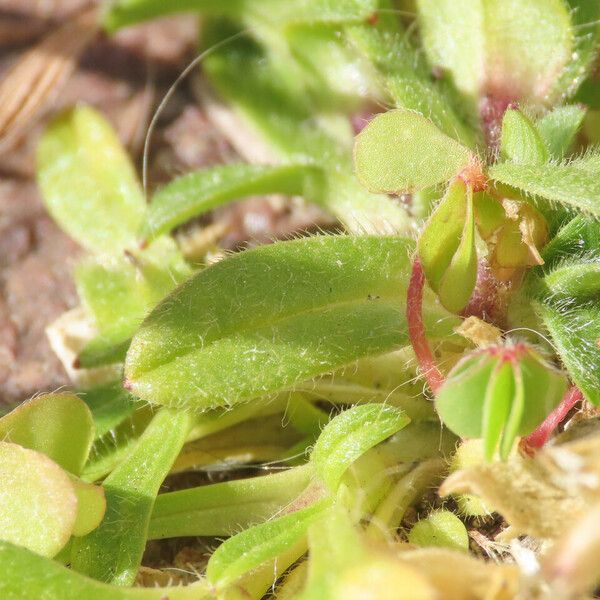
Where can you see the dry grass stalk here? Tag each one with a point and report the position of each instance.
(36, 79)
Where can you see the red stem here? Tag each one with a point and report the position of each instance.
(416, 328)
(534, 441)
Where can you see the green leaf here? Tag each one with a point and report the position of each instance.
(112, 553)
(195, 193)
(521, 142)
(577, 279)
(91, 506)
(578, 236)
(38, 505)
(441, 528)
(559, 127)
(57, 425)
(249, 549)
(225, 508)
(575, 330)
(26, 576)
(281, 12)
(584, 15)
(270, 317)
(573, 184)
(349, 435)
(407, 78)
(88, 182)
(401, 151)
(498, 47)
(110, 405)
(447, 247)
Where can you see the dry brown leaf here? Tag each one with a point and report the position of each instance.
(36, 79)
(523, 492)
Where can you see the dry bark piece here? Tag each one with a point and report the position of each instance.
(38, 76)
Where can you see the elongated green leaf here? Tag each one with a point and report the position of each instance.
(574, 184)
(447, 247)
(112, 553)
(88, 182)
(403, 151)
(196, 193)
(129, 12)
(250, 548)
(270, 317)
(225, 508)
(559, 127)
(574, 280)
(575, 330)
(521, 141)
(57, 425)
(580, 236)
(26, 576)
(350, 435)
(499, 47)
(38, 505)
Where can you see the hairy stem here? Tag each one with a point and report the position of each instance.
(416, 328)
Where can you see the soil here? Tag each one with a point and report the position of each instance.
(124, 77)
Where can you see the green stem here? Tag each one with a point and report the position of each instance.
(112, 553)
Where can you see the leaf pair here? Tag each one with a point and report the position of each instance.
(46, 442)
(499, 393)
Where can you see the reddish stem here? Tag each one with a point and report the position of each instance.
(416, 328)
(534, 441)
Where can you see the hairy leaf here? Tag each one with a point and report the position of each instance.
(38, 505)
(225, 508)
(251, 548)
(401, 150)
(88, 182)
(521, 141)
(26, 575)
(112, 553)
(57, 425)
(575, 330)
(198, 192)
(265, 319)
(498, 46)
(573, 184)
(349, 435)
(559, 127)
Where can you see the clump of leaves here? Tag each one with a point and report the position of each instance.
(489, 141)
